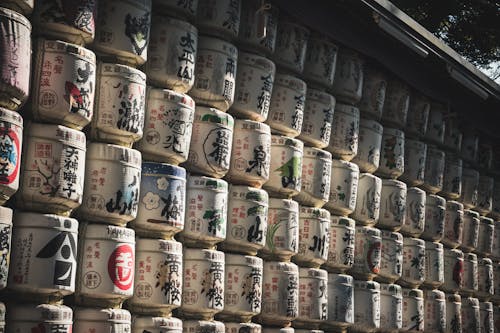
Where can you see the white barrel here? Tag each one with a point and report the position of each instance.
(254, 87)
(392, 160)
(199, 326)
(374, 91)
(470, 183)
(211, 142)
(348, 80)
(343, 187)
(64, 83)
(313, 297)
(112, 179)
(280, 299)
(2, 317)
(452, 134)
(435, 208)
(243, 287)
(234, 327)
(258, 27)
(418, 114)
(397, 102)
(219, 18)
(414, 222)
(291, 45)
(434, 311)
(206, 212)
(485, 289)
(251, 153)
(318, 116)
(287, 329)
(453, 313)
(172, 53)
(282, 235)
(156, 325)
(413, 310)
(52, 170)
(106, 262)
(434, 170)
(496, 282)
(285, 177)
(286, 112)
(15, 70)
(43, 243)
(452, 179)
(453, 270)
(162, 200)
(453, 224)
(11, 125)
(367, 306)
(434, 264)
(470, 231)
(314, 237)
(391, 308)
(203, 283)
(413, 262)
(485, 195)
(168, 123)
(369, 146)
(470, 315)
(393, 204)
(184, 9)
(101, 320)
(415, 159)
(247, 215)
(485, 236)
(215, 73)
(340, 301)
(436, 123)
(470, 145)
(495, 205)
(485, 155)
(120, 104)
(321, 60)
(40, 318)
(341, 248)
(316, 177)
(367, 253)
(345, 132)
(5, 246)
(122, 31)
(158, 277)
(495, 251)
(391, 262)
(470, 276)
(367, 209)
(486, 321)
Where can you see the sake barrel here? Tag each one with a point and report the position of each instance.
(198, 326)
(470, 145)
(496, 282)
(452, 134)
(43, 317)
(392, 159)
(5, 245)
(486, 321)
(495, 251)
(314, 237)
(313, 298)
(374, 91)
(2, 317)
(397, 103)
(413, 310)
(470, 231)
(318, 117)
(291, 45)
(367, 209)
(391, 307)
(234, 327)
(393, 204)
(418, 114)
(434, 170)
(316, 177)
(415, 160)
(485, 194)
(156, 324)
(485, 155)
(184, 9)
(101, 320)
(348, 80)
(172, 53)
(369, 146)
(11, 125)
(367, 253)
(470, 279)
(321, 60)
(340, 301)
(495, 206)
(435, 214)
(391, 253)
(219, 18)
(485, 288)
(258, 27)
(413, 262)
(367, 306)
(436, 124)
(341, 248)
(53, 169)
(434, 311)
(345, 132)
(343, 187)
(470, 182)
(453, 224)
(452, 178)
(470, 315)
(414, 222)
(453, 270)
(453, 313)
(485, 236)
(64, 83)
(24, 7)
(434, 264)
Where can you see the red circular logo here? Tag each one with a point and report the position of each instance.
(121, 267)
(10, 154)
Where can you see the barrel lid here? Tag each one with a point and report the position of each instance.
(434, 294)
(486, 306)
(433, 246)
(68, 48)
(367, 284)
(163, 169)
(256, 61)
(315, 273)
(347, 109)
(5, 215)
(320, 96)
(470, 257)
(471, 213)
(413, 293)
(204, 326)
(316, 213)
(415, 144)
(468, 172)
(371, 125)
(391, 289)
(394, 132)
(114, 153)
(208, 114)
(13, 15)
(453, 298)
(340, 164)
(170, 246)
(435, 200)
(203, 254)
(63, 134)
(366, 230)
(487, 220)
(243, 260)
(171, 96)
(394, 236)
(244, 124)
(485, 261)
(282, 266)
(455, 253)
(470, 301)
(286, 141)
(11, 117)
(203, 182)
(278, 203)
(415, 191)
(217, 44)
(317, 153)
(115, 316)
(159, 20)
(394, 182)
(37, 220)
(454, 205)
(368, 176)
(126, 72)
(61, 314)
(342, 220)
(334, 278)
(256, 195)
(290, 82)
(410, 241)
(169, 323)
(108, 232)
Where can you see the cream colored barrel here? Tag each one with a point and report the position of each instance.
(50, 317)
(291, 45)
(101, 320)
(141, 324)
(318, 117)
(219, 18)
(11, 125)
(250, 36)
(348, 80)
(321, 60)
